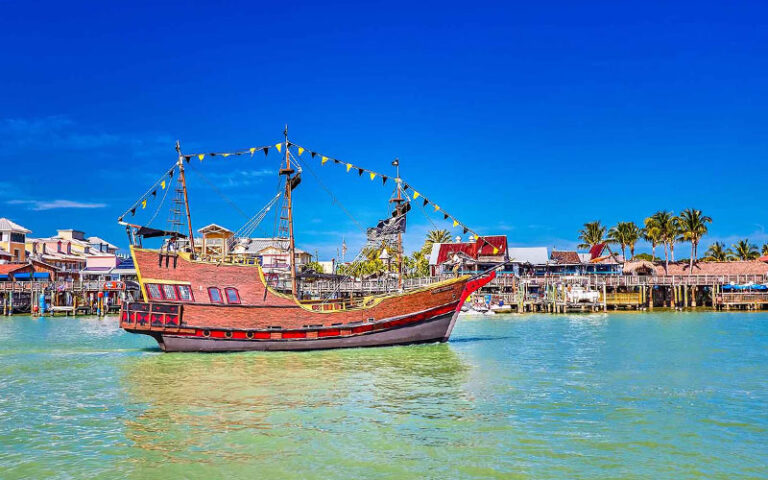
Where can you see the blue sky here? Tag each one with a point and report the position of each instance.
(526, 118)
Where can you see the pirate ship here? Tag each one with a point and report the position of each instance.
(195, 301)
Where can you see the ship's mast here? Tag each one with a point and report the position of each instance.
(397, 201)
(183, 179)
(288, 172)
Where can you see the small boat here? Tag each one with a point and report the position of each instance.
(195, 302)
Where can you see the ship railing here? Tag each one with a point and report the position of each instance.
(151, 316)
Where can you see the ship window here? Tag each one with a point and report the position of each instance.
(232, 295)
(154, 292)
(185, 293)
(215, 295)
(169, 292)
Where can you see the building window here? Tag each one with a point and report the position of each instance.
(169, 292)
(232, 295)
(215, 295)
(154, 292)
(18, 237)
(185, 293)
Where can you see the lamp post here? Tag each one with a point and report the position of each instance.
(385, 259)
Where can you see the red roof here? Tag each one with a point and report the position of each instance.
(448, 249)
(498, 241)
(596, 251)
(7, 268)
(764, 258)
(474, 250)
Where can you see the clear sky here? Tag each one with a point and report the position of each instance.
(525, 118)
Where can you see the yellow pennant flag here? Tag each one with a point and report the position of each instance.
(162, 184)
(225, 154)
(201, 156)
(373, 175)
(279, 147)
(253, 149)
(143, 204)
(437, 208)
(324, 159)
(301, 150)
(495, 250)
(455, 223)
(349, 166)
(416, 195)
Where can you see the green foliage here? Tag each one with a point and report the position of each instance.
(717, 252)
(625, 234)
(645, 256)
(765, 249)
(592, 234)
(313, 266)
(743, 250)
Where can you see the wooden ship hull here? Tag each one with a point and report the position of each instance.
(182, 315)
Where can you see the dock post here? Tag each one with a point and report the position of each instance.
(685, 296)
(605, 298)
(693, 296)
(650, 297)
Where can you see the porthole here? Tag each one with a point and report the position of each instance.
(228, 334)
(249, 334)
(206, 333)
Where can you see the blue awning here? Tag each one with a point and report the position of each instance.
(4, 277)
(42, 275)
(21, 276)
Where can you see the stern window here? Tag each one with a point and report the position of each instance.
(232, 295)
(169, 292)
(185, 293)
(154, 292)
(215, 295)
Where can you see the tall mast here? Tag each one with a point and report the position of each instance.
(183, 179)
(398, 200)
(288, 172)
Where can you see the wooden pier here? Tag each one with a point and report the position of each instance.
(62, 298)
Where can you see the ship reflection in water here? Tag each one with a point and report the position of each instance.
(244, 408)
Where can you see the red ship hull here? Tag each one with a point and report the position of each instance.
(261, 319)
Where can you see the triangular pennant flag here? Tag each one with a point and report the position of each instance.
(120, 219)
(201, 156)
(466, 230)
(406, 186)
(372, 175)
(143, 204)
(360, 172)
(349, 166)
(212, 154)
(301, 150)
(225, 154)
(279, 147)
(187, 157)
(162, 184)
(133, 211)
(154, 193)
(313, 154)
(252, 149)
(495, 250)
(455, 223)
(416, 195)
(171, 174)
(384, 179)
(240, 153)
(266, 151)
(324, 159)
(425, 202)
(337, 161)
(437, 208)
(445, 215)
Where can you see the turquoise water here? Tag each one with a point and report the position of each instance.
(663, 395)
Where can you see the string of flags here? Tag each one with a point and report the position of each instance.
(161, 184)
(371, 174)
(406, 187)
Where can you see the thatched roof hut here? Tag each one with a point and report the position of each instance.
(639, 267)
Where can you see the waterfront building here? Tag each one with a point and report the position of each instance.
(271, 253)
(13, 239)
(474, 255)
(11, 272)
(99, 245)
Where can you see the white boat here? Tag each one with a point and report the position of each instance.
(579, 294)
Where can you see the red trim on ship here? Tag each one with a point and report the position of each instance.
(321, 333)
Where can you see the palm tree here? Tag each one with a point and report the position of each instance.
(765, 249)
(718, 253)
(743, 250)
(436, 236)
(592, 234)
(666, 222)
(693, 226)
(652, 234)
(625, 234)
